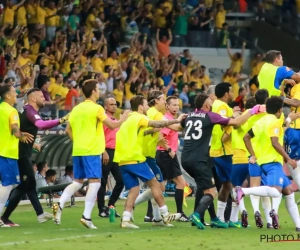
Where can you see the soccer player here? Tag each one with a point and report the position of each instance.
(292, 135)
(269, 155)
(273, 73)
(255, 171)
(157, 103)
(85, 129)
(240, 167)
(109, 165)
(132, 161)
(222, 152)
(10, 135)
(198, 130)
(30, 122)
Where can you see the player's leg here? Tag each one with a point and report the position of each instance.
(103, 211)
(223, 167)
(16, 194)
(171, 167)
(295, 173)
(131, 183)
(115, 170)
(290, 203)
(9, 173)
(93, 172)
(79, 175)
(32, 194)
(144, 173)
(147, 195)
(266, 203)
(255, 173)
(204, 180)
(238, 176)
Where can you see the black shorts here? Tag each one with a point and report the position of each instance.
(201, 172)
(169, 166)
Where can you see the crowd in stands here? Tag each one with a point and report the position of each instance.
(124, 45)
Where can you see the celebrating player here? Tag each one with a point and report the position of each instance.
(269, 155)
(85, 129)
(133, 165)
(198, 130)
(30, 122)
(273, 73)
(10, 135)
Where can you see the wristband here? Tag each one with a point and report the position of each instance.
(288, 120)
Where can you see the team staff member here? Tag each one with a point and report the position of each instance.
(108, 164)
(10, 135)
(167, 159)
(30, 122)
(85, 129)
(273, 73)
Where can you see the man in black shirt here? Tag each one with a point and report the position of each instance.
(30, 122)
(198, 131)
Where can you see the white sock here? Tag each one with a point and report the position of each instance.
(156, 212)
(262, 191)
(90, 199)
(295, 173)
(221, 210)
(4, 193)
(234, 216)
(255, 202)
(68, 192)
(276, 203)
(126, 216)
(147, 195)
(164, 211)
(242, 205)
(292, 208)
(266, 204)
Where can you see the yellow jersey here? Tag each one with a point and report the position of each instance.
(218, 148)
(9, 146)
(295, 94)
(240, 153)
(86, 121)
(150, 141)
(264, 129)
(129, 140)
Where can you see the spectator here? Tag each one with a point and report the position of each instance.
(185, 99)
(239, 101)
(72, 97)
(236, 59)
(163, 44)
(224, 36)
(42, 168)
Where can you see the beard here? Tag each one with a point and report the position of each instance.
(40, 104)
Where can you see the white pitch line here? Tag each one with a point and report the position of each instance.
(78, 237)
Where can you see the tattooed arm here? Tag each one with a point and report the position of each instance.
(162, 123)
(23, 136)
(151, 131)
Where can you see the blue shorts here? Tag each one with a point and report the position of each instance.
(223, 166)
(292, 143)
(133, 172)
(275, 175)
(9, 171)
(263, 181)
(254, 170)
(239, 174)
(87, 167)
(155, 169)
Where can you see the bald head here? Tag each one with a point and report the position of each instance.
(110, 105)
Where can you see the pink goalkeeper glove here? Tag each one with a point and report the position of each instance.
(257, 109)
